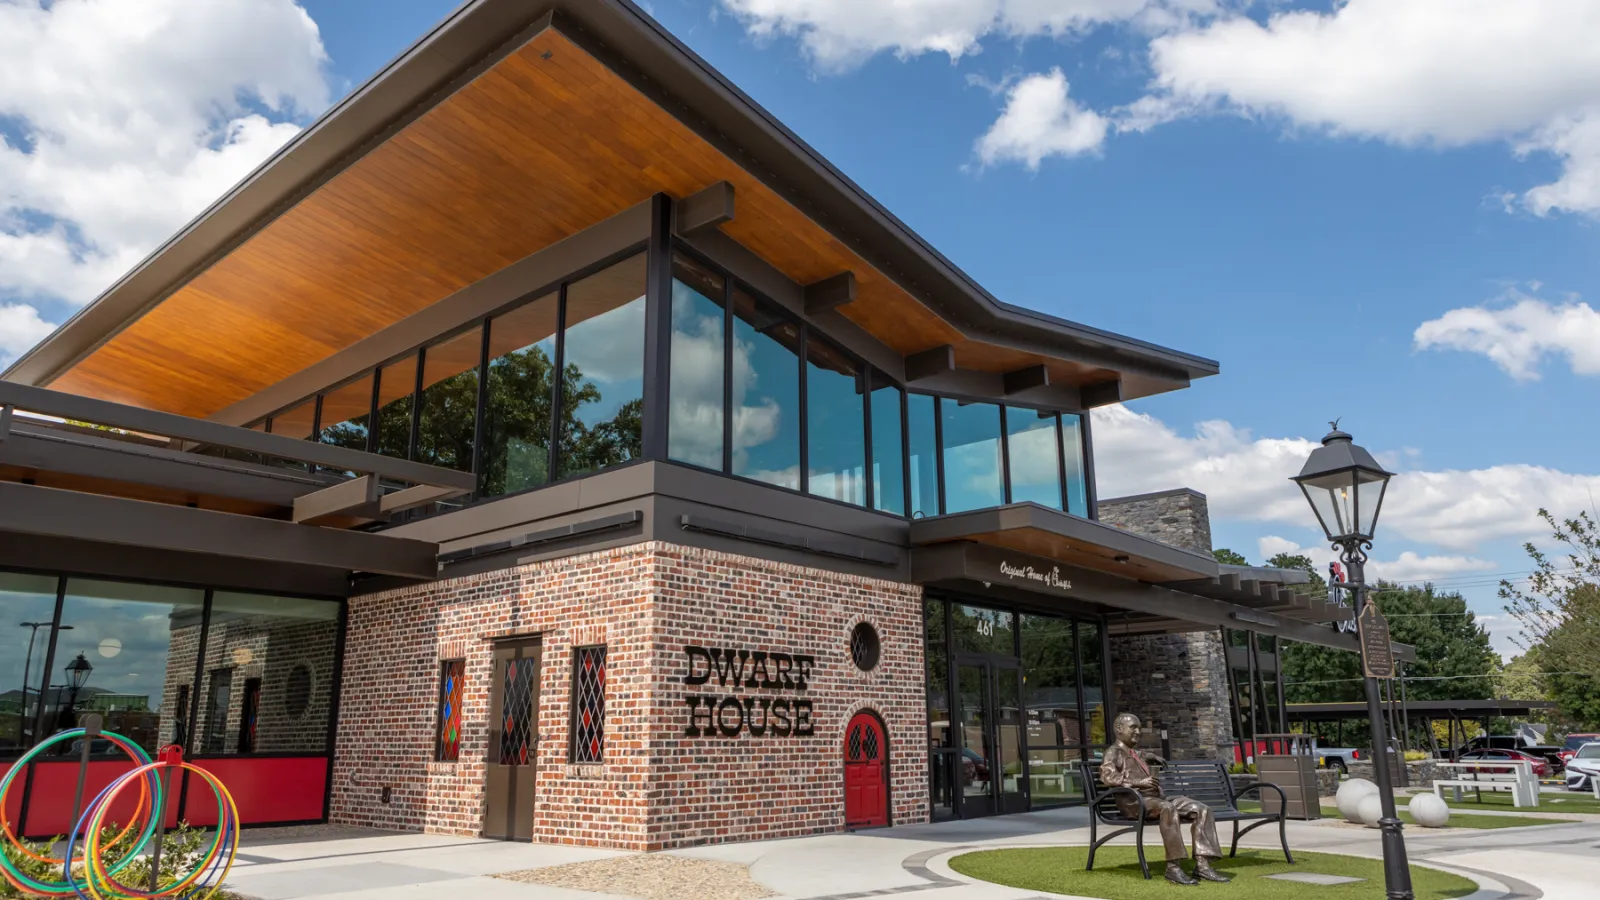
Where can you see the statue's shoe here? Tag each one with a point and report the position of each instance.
(1177, 875)
(1203, 870)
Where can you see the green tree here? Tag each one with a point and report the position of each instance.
(1229, 558)
(1559, 611)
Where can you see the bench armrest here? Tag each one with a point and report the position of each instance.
(1283, 799)
(1110, 795)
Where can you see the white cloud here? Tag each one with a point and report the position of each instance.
(20, 328)
(122, 119)
(1412, 72)
(1040, 120)
(1246, 478)
(838, 34)
(1518, 336)
(1407, 568)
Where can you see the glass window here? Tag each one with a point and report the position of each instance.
(602, 387)
(1072, 454)
(977, 629)
(396, 384)
(447, 745)
(766, 393)
(836, 451)
(1092, 660)
(588, 733)
(27, 614)
(888, 456)
(1032, 453)
(516, 415)
(923, 458)
(346, 412)
(449, 409)
(137, 646)
(1050, 670)
(694, 434)
(938, 659)
(298, 423)
(971, 434)
(269, 682)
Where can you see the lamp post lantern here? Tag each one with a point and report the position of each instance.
(1345, 487)
(78, 675)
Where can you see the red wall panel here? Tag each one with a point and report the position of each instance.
(55, 781)
(269, 789)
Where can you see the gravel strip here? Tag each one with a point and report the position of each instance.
(651, 877)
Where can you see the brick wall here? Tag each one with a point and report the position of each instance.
(1174, 681)
(658, 787)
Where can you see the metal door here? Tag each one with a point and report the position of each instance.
(989, 716)
(513, 742)
(866, 763)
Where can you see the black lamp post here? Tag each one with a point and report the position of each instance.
(1345, 486)
(78, 675)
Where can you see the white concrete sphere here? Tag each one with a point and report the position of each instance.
(1350, 794)
(1429, 811)
(1370, 810)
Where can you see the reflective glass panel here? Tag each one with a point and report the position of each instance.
(448, 414)
(1092, 660)
(971, 433)
(888, 455)
(1050, 668)
(138, 644)
(977, 750)
(766, 392)
(269, 674)
(694, 434)
(516, 416)
(396, 384)
(923, 457)
(836, 450)
(297, 422)
(346, 413)
(977, 629)
(1072, 454)
(602, 387)
(27, 610)
(1033, 457)
(938, 660)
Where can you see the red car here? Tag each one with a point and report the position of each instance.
(1574, 741)
(1541, 767)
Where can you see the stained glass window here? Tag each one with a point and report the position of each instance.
(588, 705)
(451, 676)
(517, 742)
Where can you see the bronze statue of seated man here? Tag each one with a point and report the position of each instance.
(1125, 766)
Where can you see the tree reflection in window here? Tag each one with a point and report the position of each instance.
(447, 415)
(602, 379)
(516, 416)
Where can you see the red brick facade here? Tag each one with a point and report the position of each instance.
(658, 787)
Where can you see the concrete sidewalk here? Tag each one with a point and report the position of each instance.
(1559, 862)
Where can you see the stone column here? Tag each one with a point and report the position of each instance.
(1178, 682)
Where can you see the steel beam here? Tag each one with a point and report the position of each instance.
(357, 497)
(1026, 379)
(704, 209)
(935, 361)
(30, 509)
(830, 293)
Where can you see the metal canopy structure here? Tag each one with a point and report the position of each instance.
(89, 470)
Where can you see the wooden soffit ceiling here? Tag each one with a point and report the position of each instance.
(545, 143)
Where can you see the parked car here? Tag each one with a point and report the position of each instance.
(1340, 758)
(1584, 767)
(1575, 741)
(1551, 755)
(1541, 766)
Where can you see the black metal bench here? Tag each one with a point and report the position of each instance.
(1206, 782)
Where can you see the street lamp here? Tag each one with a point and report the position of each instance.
(1345, 486)
(77, 675)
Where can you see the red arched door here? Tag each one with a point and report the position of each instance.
(866, 773)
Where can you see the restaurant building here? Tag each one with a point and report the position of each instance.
(548, 444)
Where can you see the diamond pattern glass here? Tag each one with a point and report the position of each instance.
(864, 646)
(452, 673)
(588, 705)
(516, 726)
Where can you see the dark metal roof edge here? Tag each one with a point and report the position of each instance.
(953, 526)
(109, 313)
(1267, 574)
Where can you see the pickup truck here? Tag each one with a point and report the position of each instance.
(1339, 757)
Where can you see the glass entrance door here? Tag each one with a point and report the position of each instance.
(989, 714)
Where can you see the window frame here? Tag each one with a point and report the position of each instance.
(574, 757)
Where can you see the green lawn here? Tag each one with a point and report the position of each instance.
(1457, 819)
(1116, 874)
(1548, 802)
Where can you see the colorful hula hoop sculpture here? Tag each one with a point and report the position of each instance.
(84, 870)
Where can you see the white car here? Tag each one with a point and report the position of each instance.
(1584, 767)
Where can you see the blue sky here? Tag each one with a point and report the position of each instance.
(1291, 189)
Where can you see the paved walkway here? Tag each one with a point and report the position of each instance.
(1558, 862)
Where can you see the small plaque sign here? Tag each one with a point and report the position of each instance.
(1377, 656)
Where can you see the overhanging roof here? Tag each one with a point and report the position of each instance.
(508, 127)
(1466, 709)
